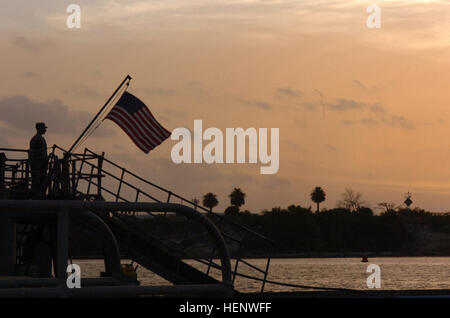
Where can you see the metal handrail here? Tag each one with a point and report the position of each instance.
(57, 206)
(246, 229)
(184, 199)
(15, 150)
(88, 154)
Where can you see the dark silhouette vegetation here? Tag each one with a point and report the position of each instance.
(298, 231)
(350, 229)
(210, 200)
(318, 196)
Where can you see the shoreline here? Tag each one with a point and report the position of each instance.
(299, 256)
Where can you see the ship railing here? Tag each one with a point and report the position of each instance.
(15, 173)
(90, 167)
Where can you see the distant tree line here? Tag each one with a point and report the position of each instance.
(351, 227)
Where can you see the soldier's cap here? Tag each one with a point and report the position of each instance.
(40, 125)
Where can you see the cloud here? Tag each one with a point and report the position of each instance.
(30, 44)
(342, 104)
(310, 106)
(368, 121)
(22, 113)
(394, 121)
(377, 108)
(157, 14)
(359, 85)
(365, 88)
(362, 121)
(400, 121)
(258, 104)
(348, 104)
(291, 92)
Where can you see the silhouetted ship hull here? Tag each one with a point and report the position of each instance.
(88, 196)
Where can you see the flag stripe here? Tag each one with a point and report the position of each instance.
(126, 130)
(131, 128)
(152, 141)
(151, 129)
(151, 125)
(163, 131)
(148, 129)
(137, 121)
(135, 137)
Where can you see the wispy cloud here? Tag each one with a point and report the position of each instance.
(258, 104)
(377, 108)
(32, 45)
(400, 121)
(342, 104)
(394, 121)
(21, 113)
(290, 92)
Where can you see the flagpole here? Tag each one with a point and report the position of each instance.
(127, 78)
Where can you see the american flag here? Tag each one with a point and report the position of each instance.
(137, 121)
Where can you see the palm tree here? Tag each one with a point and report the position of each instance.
(210, 200)
(318, 196)
(237, 198)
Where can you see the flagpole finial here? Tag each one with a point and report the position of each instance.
(129, 78)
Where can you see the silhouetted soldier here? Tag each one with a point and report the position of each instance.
(38, 161)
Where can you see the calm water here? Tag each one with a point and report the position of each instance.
(396, 273)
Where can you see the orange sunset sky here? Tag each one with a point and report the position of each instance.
(359, 108)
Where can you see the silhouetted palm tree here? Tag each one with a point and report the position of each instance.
(237, 198)
(210, 200)
(318, 196)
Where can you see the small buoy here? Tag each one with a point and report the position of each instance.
(364, 259)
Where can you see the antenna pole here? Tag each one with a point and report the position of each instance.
(127, 78)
